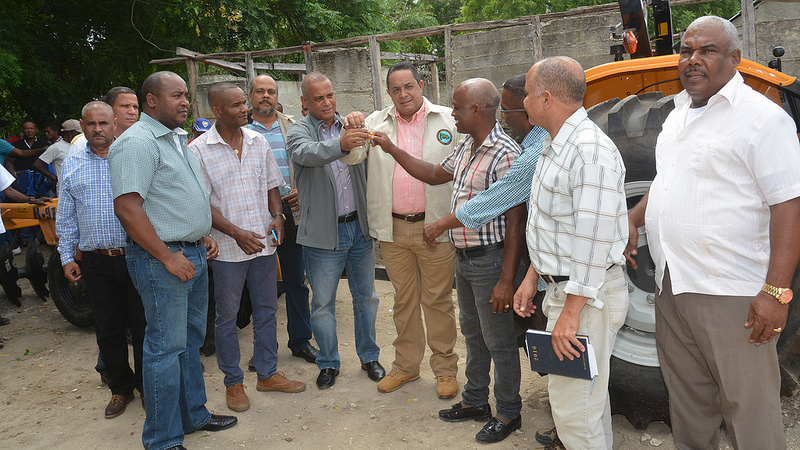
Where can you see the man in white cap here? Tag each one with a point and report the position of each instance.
(56, 153)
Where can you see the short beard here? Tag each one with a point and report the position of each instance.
(266, 112)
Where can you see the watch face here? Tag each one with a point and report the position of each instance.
(787, 296)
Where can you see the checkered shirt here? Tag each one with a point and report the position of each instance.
(578, 217)
(238, 188)
(473, 174)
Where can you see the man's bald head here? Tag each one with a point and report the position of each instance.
(312, 78)
(262, 79)
(562, 76)
(155, 81)
(216, 93)
(482, 92)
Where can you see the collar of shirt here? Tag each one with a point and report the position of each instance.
(215, 138)
(572, 122)
(419, 115)
(726, 93)
(261, 128)
(536, 136)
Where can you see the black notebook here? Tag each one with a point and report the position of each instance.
(543, 359)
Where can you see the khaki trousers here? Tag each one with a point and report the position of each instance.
(422, 277)
(580, 408)
(713, 373)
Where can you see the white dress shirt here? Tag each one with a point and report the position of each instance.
(708, 211)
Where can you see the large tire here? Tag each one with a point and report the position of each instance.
(636, 386)
(70, 298)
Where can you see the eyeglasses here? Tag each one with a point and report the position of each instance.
(506, 111)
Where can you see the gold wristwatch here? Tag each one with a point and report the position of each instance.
(784, 295)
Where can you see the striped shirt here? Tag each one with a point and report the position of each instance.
(274, 137)
(238, 188)
(510, 190)
(578, 218)
(85, 214)
(473, 174)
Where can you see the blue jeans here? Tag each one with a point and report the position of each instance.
(324, 268)
(489, 337)
(261, 274)
(176, 326)
(298, 315)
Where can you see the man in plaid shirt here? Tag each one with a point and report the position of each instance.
(487, 258)
(577, 231)
(242, 178)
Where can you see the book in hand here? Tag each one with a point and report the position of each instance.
(544, 360)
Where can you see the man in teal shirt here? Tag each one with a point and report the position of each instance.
(161, 200)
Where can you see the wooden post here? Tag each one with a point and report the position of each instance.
(375, 62)
(250, 70)
(309, 62)
(748, 30)
(448, 64)
(435, 82)
(537, 38)
(191, 69)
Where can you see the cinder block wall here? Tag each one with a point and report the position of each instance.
(777, 23)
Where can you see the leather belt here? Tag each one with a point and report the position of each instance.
(348, 217)
(477, 252)
(185, 243)
(109, 251)
(553, 279)
(410, 218)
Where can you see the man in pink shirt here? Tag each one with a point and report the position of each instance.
(398, 206)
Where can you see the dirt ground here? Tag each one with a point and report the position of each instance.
(51, 397)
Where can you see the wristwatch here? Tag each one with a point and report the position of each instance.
(784, 295)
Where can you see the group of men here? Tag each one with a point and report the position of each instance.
(151, 215)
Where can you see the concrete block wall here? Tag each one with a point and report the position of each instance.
(500, 54)
(351, 75)
(777, 23)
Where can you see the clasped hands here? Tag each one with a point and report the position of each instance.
(356, 134)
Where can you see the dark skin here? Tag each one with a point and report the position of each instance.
(170, 107)
(264, 95)
(230, 108)
(520, 126)
(706, 64)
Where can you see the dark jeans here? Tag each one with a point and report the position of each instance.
(116, 306)
(298, 313)
(489, 337)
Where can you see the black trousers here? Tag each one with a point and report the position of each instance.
(116, 306)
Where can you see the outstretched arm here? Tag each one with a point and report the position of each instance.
(422, 170)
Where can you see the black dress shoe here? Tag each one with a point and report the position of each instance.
(177, 447)
(327, 378)
(4, 321)
(219, 423)
(250, 366)
(458, 413)
(496, 430)
(374, 370)
(309, 353)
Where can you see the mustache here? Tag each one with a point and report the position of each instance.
(694, 70)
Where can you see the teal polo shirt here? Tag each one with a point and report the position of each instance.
(146, 160)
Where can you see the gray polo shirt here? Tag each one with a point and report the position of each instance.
(146, 160)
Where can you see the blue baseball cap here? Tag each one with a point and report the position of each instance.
(202, 124)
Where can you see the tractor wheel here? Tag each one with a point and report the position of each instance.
(70, 298)
(636, 387)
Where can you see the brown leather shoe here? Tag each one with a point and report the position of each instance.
(446, 386)
(279, 382)
(394, 380)
(237, 399)
(117, 405)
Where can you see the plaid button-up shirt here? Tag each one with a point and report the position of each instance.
(238, 188)
(473, 174)
(578, 218)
